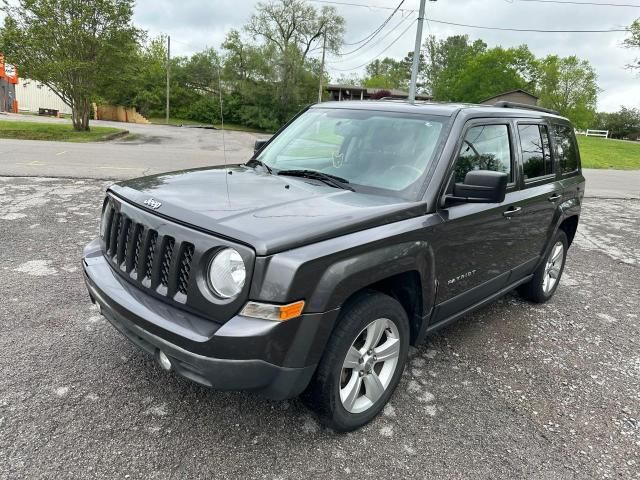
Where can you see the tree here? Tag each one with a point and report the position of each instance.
(621, 124)
(569, 85)
(494, 71)
(70, 46)
(444, 61)
(141, 81)
(634, 42)
(388, 73)
(296, 29)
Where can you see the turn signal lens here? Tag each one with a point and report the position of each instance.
(273, 312)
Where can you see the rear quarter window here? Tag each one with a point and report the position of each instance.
(566, 148)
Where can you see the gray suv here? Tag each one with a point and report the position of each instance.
(355, 231)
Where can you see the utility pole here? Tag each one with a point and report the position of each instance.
(324, 50)
(168, 73)
(416, 53)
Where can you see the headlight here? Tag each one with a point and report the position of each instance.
(227, 273)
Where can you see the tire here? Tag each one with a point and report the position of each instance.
(371, 381)
(537, 290)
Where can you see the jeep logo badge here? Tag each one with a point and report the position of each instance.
(152, 204)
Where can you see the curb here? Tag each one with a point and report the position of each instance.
(115, 136)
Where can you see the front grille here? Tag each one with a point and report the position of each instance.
(185, 268)
(156, 262)
(167, 255)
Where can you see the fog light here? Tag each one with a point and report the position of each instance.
(164, 361)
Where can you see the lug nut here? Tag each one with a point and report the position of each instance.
(360, 374)
(375, 358)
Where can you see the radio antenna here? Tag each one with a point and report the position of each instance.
(224, 145)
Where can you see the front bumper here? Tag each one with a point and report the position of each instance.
(275, 359)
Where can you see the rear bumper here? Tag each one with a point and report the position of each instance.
(275, 359)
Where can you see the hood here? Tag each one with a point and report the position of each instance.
(267, 212)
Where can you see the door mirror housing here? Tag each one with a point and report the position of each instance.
(259, 145)
(480, 186)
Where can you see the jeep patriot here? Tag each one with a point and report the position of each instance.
(353, 233)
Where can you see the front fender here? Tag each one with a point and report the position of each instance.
(327, 273)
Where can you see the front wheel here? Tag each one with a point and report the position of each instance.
(547, 276)
(362, 363)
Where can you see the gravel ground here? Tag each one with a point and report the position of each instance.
(515, 390)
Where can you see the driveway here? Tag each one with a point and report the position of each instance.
(515, 390)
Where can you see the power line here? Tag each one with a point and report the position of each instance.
(350, 4)
(372, 35)
(484, 27)
(505, 29)
(381, 39)
(569, 2)
(380, 54)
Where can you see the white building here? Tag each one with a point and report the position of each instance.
(32, 95)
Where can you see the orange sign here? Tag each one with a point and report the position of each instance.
(8, 72)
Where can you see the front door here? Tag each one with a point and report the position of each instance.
(478, 244)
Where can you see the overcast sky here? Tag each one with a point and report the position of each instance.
(194, 24)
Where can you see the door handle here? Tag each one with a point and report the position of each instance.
(554, 197)
(512, 212)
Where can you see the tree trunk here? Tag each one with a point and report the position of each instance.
(80, 111)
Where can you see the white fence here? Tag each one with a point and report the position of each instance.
(597, 133)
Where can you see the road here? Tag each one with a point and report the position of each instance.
(160, 148)
(515, 390)
(154, 149)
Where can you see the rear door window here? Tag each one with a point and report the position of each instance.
(537, 160)
(566, 148)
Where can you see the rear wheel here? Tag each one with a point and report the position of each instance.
(547, 276)
(362, 363)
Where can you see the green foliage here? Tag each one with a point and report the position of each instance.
(70, 46)
(621, 124)
(634, 42)
(494, 71)
(445, 60)
(388, 73)
(569, 85)
(459, 70)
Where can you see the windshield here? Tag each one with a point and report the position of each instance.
(382, 150)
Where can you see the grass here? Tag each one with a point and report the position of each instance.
(608, 153)
(53, 132)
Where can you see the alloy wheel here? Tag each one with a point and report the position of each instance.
(369, 366)
(552, 268)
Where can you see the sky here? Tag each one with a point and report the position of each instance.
(195, 24)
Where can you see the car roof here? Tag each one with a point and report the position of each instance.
(440, 109)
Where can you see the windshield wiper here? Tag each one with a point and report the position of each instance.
(327, 178)
(256, 162)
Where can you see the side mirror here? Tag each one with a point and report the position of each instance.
(259, 145)
(480, 186)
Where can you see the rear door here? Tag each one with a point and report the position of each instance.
(540, 186)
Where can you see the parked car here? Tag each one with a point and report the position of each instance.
(356, 231)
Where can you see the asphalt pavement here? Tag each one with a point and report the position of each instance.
(515, 390)
(151, 149)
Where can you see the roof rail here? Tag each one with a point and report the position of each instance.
(402, 100)
(506, 104)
